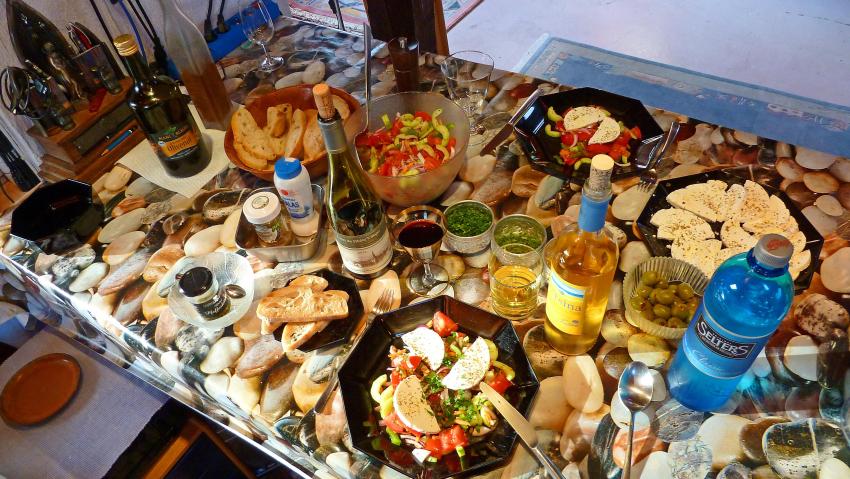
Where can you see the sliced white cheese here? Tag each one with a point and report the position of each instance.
(798, 240)
(674, 223)
(608, 131)
(723, 255)
(705, 200)
(426, 344)
(736, 238)
(799, 262)
(701, 254)
(470, 368)
(583, 116)
(756, 203)
(733, 200)
(420, 455)
(411, 407)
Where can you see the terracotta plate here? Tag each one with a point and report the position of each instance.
(40, 389)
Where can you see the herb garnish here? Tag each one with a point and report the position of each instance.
(468, 220)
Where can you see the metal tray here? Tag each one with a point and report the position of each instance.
(302, 247)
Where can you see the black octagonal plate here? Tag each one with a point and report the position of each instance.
(544, 149)
(369, 359)
(339, 330)
(658, 201)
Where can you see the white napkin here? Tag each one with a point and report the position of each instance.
(84, 439)
(144, 161)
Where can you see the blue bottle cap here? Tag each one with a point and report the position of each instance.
(287, 168)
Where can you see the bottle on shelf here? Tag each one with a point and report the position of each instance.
(582, 261)
(742, 306)
(355, 211)
(163, 114)
(293, 185)
(188, 50)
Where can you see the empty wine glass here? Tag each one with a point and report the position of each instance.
(258, 26)
(420, 230)
(467, 75)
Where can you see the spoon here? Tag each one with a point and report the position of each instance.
(635, 390)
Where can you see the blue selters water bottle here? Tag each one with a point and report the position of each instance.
(747, 298)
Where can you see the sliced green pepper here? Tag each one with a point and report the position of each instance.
(394, 437)
(444, 133)
(386, 120)
(550, 132)
(552, 115)
(427, 149)
(442, 149)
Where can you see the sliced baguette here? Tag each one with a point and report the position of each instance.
(296, 334)
(314, 145)
(249, 158)
(277, 120)
(298, 304)
(250, 135)
(341, 107)
(295, 135)
(316, 283)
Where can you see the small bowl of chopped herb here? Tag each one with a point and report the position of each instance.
(468, 226)
(520, 229)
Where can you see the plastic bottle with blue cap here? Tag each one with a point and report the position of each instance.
(293, 185)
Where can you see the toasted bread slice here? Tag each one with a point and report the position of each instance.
(316, 283)
(277, 120)
(279, 146)
(342, 107)
(296, 334)
(299, 304)
(295, 135)
(249, 158)
(314, 145)
(250, 135)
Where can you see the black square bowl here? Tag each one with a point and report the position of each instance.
(544, 150)
(338, 331)
(369, 359)
(738, 175)
(58, 217)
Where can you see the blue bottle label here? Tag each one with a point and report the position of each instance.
(716, 351)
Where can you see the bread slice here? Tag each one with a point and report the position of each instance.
(314, 144)
(299, 304)
(249, 158)
(316, 283)
(250, 135)
(295, 135)
(341, 107)
(296, 334)
(277, 120)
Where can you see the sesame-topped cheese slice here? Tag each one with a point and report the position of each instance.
(756, 203)
(608, 131)
(470, 369)
(674, 223)
(701, 254)
(583, 116)
(426, 344)
(412, 408)
(705, 200)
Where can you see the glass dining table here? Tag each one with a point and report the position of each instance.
(789, 418)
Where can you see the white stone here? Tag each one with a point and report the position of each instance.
(800, 357)
(477, 168)
(457, 191)
(659, 387)
(720, 433)
(117, 178)
(13, 245)
(340, 462)
(89, 277)
(314, 73)
(834, 468)
(223, 354)
(583, 389)
(289, 80)
(622, 416)
(125, 223)
(656, 467)
(550, 408)
(835, 271)
(204, 241)
(139, 187)
(123, 247)
(228, 230)
(217, 384)
(180, 203)
(170, 361)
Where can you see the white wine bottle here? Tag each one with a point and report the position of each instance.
(356, 212)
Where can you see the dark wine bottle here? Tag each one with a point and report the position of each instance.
(356, 212)
(164, 115)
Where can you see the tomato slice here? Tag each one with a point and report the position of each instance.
(393, 422)
(413, 362)
(452, 143)
(443, 325)
(584, 135)
(452, 438)
(598, 149)
(423, 115)
(568, 138)
(395, 378)
(624, 138)
(637, 133)
(500, 383)
(434, 446)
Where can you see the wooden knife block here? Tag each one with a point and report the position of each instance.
(64, 160)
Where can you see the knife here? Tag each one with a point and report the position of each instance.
(523, 428)
(506, 130)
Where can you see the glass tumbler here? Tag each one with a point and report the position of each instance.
(516, 273)
(467, 76)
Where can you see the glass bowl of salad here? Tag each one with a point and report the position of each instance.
(415, 146)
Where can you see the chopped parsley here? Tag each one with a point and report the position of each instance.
(468, 220)
(433, 384)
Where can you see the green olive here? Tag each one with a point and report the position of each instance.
(661, 311)
(692, 311)
(643, 291)
(653, 296)
(680, 311)
(693, 302)
(665, 297)
(662, 283)
(649, 278)
(660, 322)
(685, 291)
(647, 314)
(638, 303)
(676, 323)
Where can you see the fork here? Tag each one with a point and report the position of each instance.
(649, 177)
(382, 305)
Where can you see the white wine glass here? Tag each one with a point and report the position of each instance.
(258, 26)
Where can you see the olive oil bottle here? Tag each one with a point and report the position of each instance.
(356, 213)
(163, 114)
(582, 261)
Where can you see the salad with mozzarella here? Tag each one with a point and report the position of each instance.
(587, 131)
(429, 400)
(409, 144)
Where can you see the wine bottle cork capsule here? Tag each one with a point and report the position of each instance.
(324, 101)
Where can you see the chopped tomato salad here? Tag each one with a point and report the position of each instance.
(430, 401)
(407, 145)
(587, 131)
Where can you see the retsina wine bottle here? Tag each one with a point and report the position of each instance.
(356, 212)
